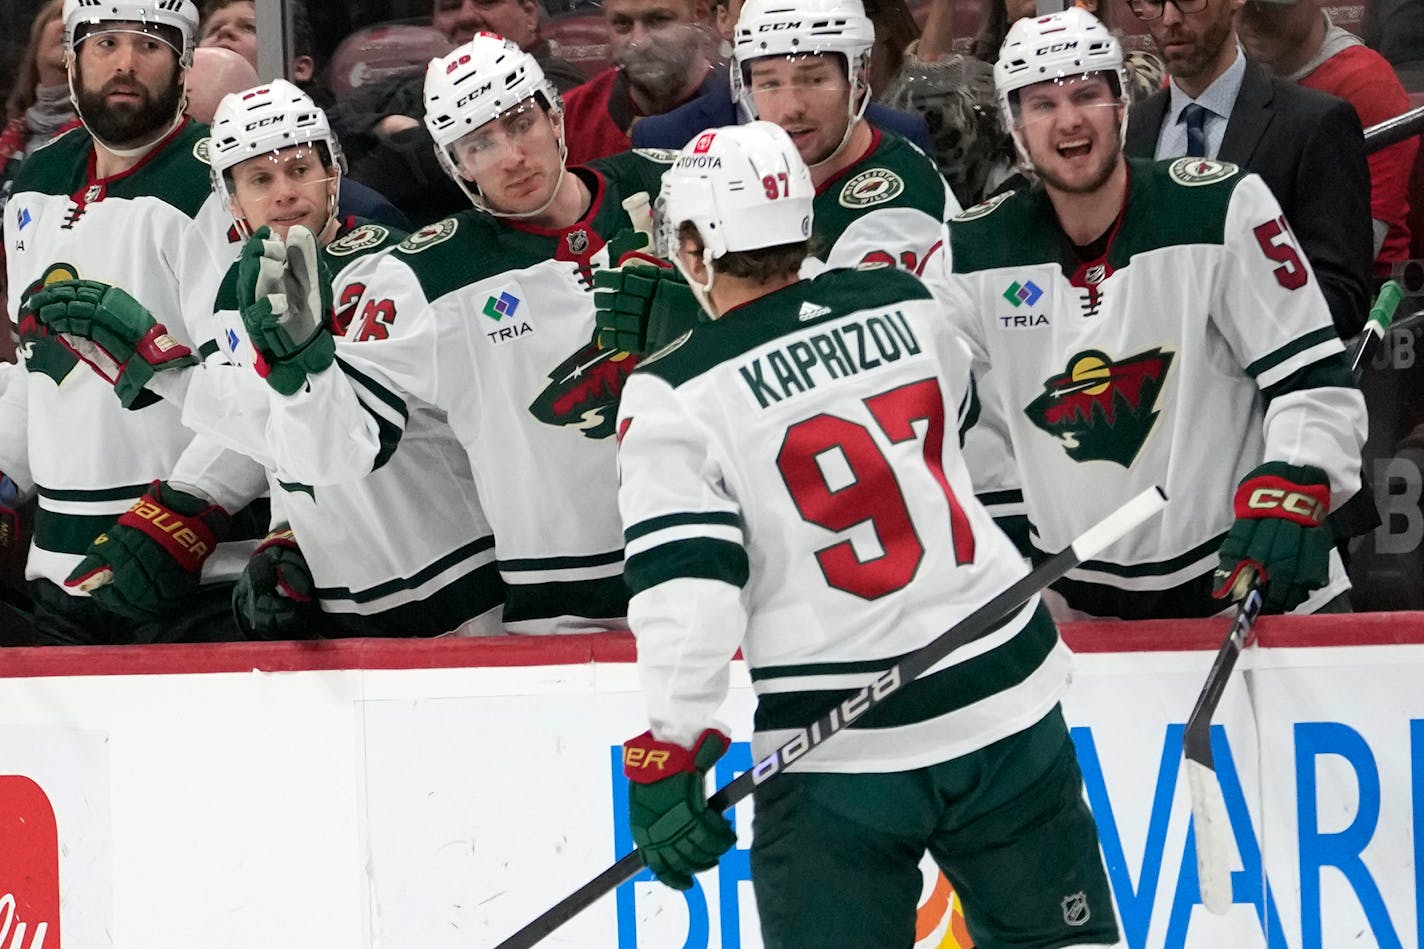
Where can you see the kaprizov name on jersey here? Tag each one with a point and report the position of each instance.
(846, 350)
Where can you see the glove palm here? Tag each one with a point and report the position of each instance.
(284, 296)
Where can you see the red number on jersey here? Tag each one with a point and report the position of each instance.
(376, 320)
(346, 305)
(872, 492)
(1291, 273)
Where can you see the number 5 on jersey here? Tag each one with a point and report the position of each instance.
(873, 493)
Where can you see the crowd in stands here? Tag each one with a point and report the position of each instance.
(1275, 86)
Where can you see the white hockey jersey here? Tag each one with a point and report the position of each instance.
(792, 484)
(1197, 347)
(492, 323)
(157, 232)
(404, 551)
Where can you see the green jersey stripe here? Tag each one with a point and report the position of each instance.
(475, 593)
(69, 533)
(1190, 599)
(1156, 569)
(1295, 346)
(560, 563)
(643, 528)
(946, 691)
(122, 493)
(698, 557)
(408, 583)
(596, 599)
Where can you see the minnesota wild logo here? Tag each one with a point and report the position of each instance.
(1101, 409)
(44, 352)
(583, 391)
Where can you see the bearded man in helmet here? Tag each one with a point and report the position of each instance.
(117, 211)
(1153, 324)
(277, 165)
(742, 534)
(488, 317)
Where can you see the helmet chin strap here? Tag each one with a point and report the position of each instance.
(700, 292)
(478, 197)
(853, 115)
(138, 150)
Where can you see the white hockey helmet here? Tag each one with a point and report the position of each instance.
(475, 84)
(1041, 49)
(263, 119)
(175, 22)
(744, 187)
(804, 28)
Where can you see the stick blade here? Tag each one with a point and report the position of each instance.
(1214, 839)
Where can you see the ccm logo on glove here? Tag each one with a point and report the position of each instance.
(188, 541)
(1306, 505)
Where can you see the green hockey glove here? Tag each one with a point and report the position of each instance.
(284, 296)
(112, 332)
(672, 825)
(275, 596)
(1279, 536)
(152, 558)
(641, 307)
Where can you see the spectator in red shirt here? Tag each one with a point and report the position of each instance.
(662, 57)
(1296, 41)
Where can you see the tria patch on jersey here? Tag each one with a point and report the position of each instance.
(1101, 409)
(870, 188)
(1193, 172)
(361, 238)
(429, 235)
(983, 208)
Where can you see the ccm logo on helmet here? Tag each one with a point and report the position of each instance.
(777, 27)
(473, 94)
(1292, 502)
(1056, 48)
(269, 120)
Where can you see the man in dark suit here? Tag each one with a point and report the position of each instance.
(1308, 146)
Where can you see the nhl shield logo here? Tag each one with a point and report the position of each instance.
(577, 241)
(1075, 909)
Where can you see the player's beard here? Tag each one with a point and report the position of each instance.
(1111, 155)
(129, 125)
(660, 69)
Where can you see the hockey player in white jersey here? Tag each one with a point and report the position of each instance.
(1154, 324)
(792, 485)
(123, 201)
(276, 164)
(488, 316)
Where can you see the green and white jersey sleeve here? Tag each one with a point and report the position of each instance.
(791, 484)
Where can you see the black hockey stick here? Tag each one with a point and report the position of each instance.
(973, 626)
(1208, 805)
(1213, 826)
